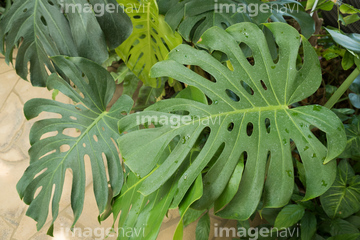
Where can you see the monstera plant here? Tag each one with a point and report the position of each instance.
(222, 119)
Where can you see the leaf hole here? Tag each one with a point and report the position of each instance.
(246, 50)
(165, 44)
(249, 129)
(139, 26)
(43, 20)
(154, 30)
(25, 10)
(245, 155)
(319, 134)
(103, 129)
(204, 74)
(233, 96)
(47, 154)
(41, 172)
(49, 134)
(153, 39)
(267, 125)
(95, 138)
(231, 126)
(64, 148)
(71, 132)
(263, 85)
(51, 3)
(142, 36)
(137, 17)
(247, 87)
(73, 118)
(84, 145)
(251, 61)
(224, 25)
(37, 192)
(209, 100)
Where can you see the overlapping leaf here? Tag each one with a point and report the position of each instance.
(50, 157)
(293, 9)
(150, 42)
(42, 30)
(236, 120)
(193, 18)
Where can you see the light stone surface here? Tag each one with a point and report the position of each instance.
(14, 145)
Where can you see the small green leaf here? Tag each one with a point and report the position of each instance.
(348, 41)
(343, 198)
(308, 226)
(203, 228)
(289, 215)
(347, 61)
(191, 216)
(340, 226)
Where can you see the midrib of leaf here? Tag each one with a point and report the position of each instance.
(140, 181)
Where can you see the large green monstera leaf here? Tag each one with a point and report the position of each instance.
(248, 119)
(150, 42)
(43, 30)
(50, 157)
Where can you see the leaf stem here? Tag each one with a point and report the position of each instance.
(341, 90)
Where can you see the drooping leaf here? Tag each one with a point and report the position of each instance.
(35, 21)
(41, 29)
(50, 157)
(349, 41)
(238, 125)
(142, 214)
(150, 42)
(113, 21)
(194, 194)
(193, 18)
(343, 198)
(289, 215)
